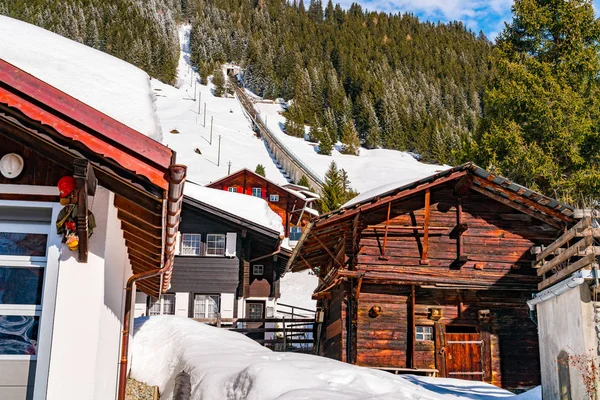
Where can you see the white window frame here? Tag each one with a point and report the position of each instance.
(274, 198)
(256, 271)
(162, 303)
(254, 191)
(51, 262)
(185, 250)
(195, 313)
(232, 189)
(423, 333)
(207, 247)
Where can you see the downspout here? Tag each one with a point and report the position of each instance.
(176, 177)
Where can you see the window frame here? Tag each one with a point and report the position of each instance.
(262, 270)
(262, 310)
(206, 296)
(292, 228)
(161, 304)
(46, 309)
(182, 252)
(274, 198)
(232, 189)
(207, 247)
(427, 334)
(254, 193)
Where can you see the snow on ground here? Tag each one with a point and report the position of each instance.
(373, 168)
(297, 289)
(178, 111)
(228, 365)
(112, 86)
(250, 208)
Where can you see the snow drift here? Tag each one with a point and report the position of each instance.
(227, 365)
(112, 86)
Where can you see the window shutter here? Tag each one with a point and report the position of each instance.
(177, 243)
(240, 190)
(230, 244)
(263, 193)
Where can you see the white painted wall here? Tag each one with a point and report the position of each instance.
(140, 307)
(182, 303)
(565, 322)
(89, 308)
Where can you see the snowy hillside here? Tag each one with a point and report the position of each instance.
(371, 169)
(178, 111)
(228, 365)
(114, 87)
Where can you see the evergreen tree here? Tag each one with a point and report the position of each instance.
(304, 181)
(324, 138)
(543, 108)
(333, 190)
(260, 170)
(219, 82)
(350, 141)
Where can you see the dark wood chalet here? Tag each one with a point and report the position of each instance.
(292, 203)
(433, 276)
(226, 267)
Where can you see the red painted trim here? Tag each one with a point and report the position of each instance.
(97, 131)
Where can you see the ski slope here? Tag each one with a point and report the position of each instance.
(369, 170)
(178, 111)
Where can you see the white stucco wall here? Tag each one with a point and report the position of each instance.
(565, 322)
(89, 308)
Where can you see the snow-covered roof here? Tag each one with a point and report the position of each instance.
(284, 187)
(369, 194)
(250, 208)
(228, 365)
(112, 86)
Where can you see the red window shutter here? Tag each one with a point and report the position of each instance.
(249, 191)
(263, 193)
(240, 189)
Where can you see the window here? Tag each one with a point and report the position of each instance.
(232, 189)
(258, 270)
(190, 244)
(23, 258)
(424, 333)
(206, 306)
(215, 244)
(295, 233)
(255, 310)
(257, 192)
(163, 306)
(274, 198)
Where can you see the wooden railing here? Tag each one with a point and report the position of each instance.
(279, 334)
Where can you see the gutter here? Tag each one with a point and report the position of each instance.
(176, 178)
(577, 279)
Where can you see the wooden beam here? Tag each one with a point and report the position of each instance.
(413, 326)
(511, 197)
(562, 274)
(360, 281)
(424, 255)
(568, 235)
(86, 184)
(140, 242)
(387, 223)
(463, 185)
(564, 256)
(327, 250)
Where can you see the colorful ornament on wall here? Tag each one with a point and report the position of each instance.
(66, 223)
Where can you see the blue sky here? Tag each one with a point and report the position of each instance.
(486, 15)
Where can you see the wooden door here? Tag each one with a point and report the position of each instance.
(464, 356)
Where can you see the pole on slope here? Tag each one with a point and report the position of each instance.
(211, 129)
(229, 167)
(199, 102)
(204, 124)
(195, 88)
(191, 78)
(219, 156)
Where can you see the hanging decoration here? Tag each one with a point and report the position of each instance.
(66, 223)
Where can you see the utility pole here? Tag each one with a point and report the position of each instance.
(219, 156)
(211, 126)
(204, 124)
(229, 167)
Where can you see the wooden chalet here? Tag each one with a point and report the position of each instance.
(292, 204)
(433, 277)
(226, 266)
(73, 326)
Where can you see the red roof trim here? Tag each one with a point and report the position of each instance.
(107, 137)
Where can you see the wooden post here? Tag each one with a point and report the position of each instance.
(424, 256)
(440, 349)
(387, 224)
(86, 185)
(412, 326)
(211, 128)
(199, 102)
(219, 156)
(204, 123)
